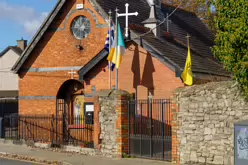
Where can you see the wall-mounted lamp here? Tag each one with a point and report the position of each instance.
(79, 47)
(75, 87)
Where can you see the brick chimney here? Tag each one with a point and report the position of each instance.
(22, 44)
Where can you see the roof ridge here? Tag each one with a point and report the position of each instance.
(179, 8)
(13, 48)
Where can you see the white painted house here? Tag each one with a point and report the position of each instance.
(9, 80)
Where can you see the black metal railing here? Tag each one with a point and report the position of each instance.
(150, 129)
(60, 130)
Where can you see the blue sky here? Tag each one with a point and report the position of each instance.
(21, 18)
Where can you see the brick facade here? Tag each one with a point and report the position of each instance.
(57, 48)
(139, 70)
(97, 126)
(122, 125)
(111, 123)
(174, 126)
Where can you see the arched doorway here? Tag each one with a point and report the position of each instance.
(65, 96)
(64, 109)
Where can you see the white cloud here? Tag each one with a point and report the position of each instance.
(27, 17)
(32, 25)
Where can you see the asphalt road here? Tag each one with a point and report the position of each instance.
(14, 162)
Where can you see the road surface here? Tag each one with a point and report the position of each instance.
(4, 161)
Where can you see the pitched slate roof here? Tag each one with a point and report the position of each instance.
(16, 49)
(173, 50)
(176, 52)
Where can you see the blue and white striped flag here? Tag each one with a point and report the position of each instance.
(112, 30)
(107, 45)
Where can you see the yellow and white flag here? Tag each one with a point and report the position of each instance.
(187, 75)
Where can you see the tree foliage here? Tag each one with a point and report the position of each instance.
(231, 47)
(200, 7)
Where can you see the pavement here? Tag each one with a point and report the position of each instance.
(15, 162)
(44, 156)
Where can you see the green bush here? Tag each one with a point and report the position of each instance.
(231, 47)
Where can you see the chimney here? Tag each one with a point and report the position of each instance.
(156, 2)
(152, 21)
(22, 44)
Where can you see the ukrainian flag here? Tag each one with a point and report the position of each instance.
(120, 48)
(187, 75)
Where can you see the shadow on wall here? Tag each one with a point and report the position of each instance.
(147, 76)
(142, 125)
(46, 37)
(136, 68)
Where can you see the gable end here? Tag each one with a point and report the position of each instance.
(38, 36)
(101, 56)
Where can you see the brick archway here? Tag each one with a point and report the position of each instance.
(64, 100)
(72, 86)
(64, 96)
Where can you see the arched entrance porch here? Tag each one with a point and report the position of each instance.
(71, 126)
(65, 96)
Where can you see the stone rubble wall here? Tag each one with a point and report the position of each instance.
(108, 118)
(205, 122)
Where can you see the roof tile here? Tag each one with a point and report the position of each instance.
(173, 45)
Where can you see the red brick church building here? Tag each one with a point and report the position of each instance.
(66, 59)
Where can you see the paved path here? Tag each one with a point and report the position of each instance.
(73, 159)
(14, 162)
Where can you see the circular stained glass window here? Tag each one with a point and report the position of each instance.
(80, 27)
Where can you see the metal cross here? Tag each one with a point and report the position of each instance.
(188, 36)
(72, 73)
(167, 22)
(110, 12)
(150, 96)
(127, 15)
(110, 15)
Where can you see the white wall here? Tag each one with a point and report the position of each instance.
(8, 80)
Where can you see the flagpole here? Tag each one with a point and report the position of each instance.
(188, 39)
(116, 23)
(110, 37)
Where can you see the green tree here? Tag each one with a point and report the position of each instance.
(231, 47)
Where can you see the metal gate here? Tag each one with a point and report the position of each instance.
(73, 130)
(150, 129)
(61, 131)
